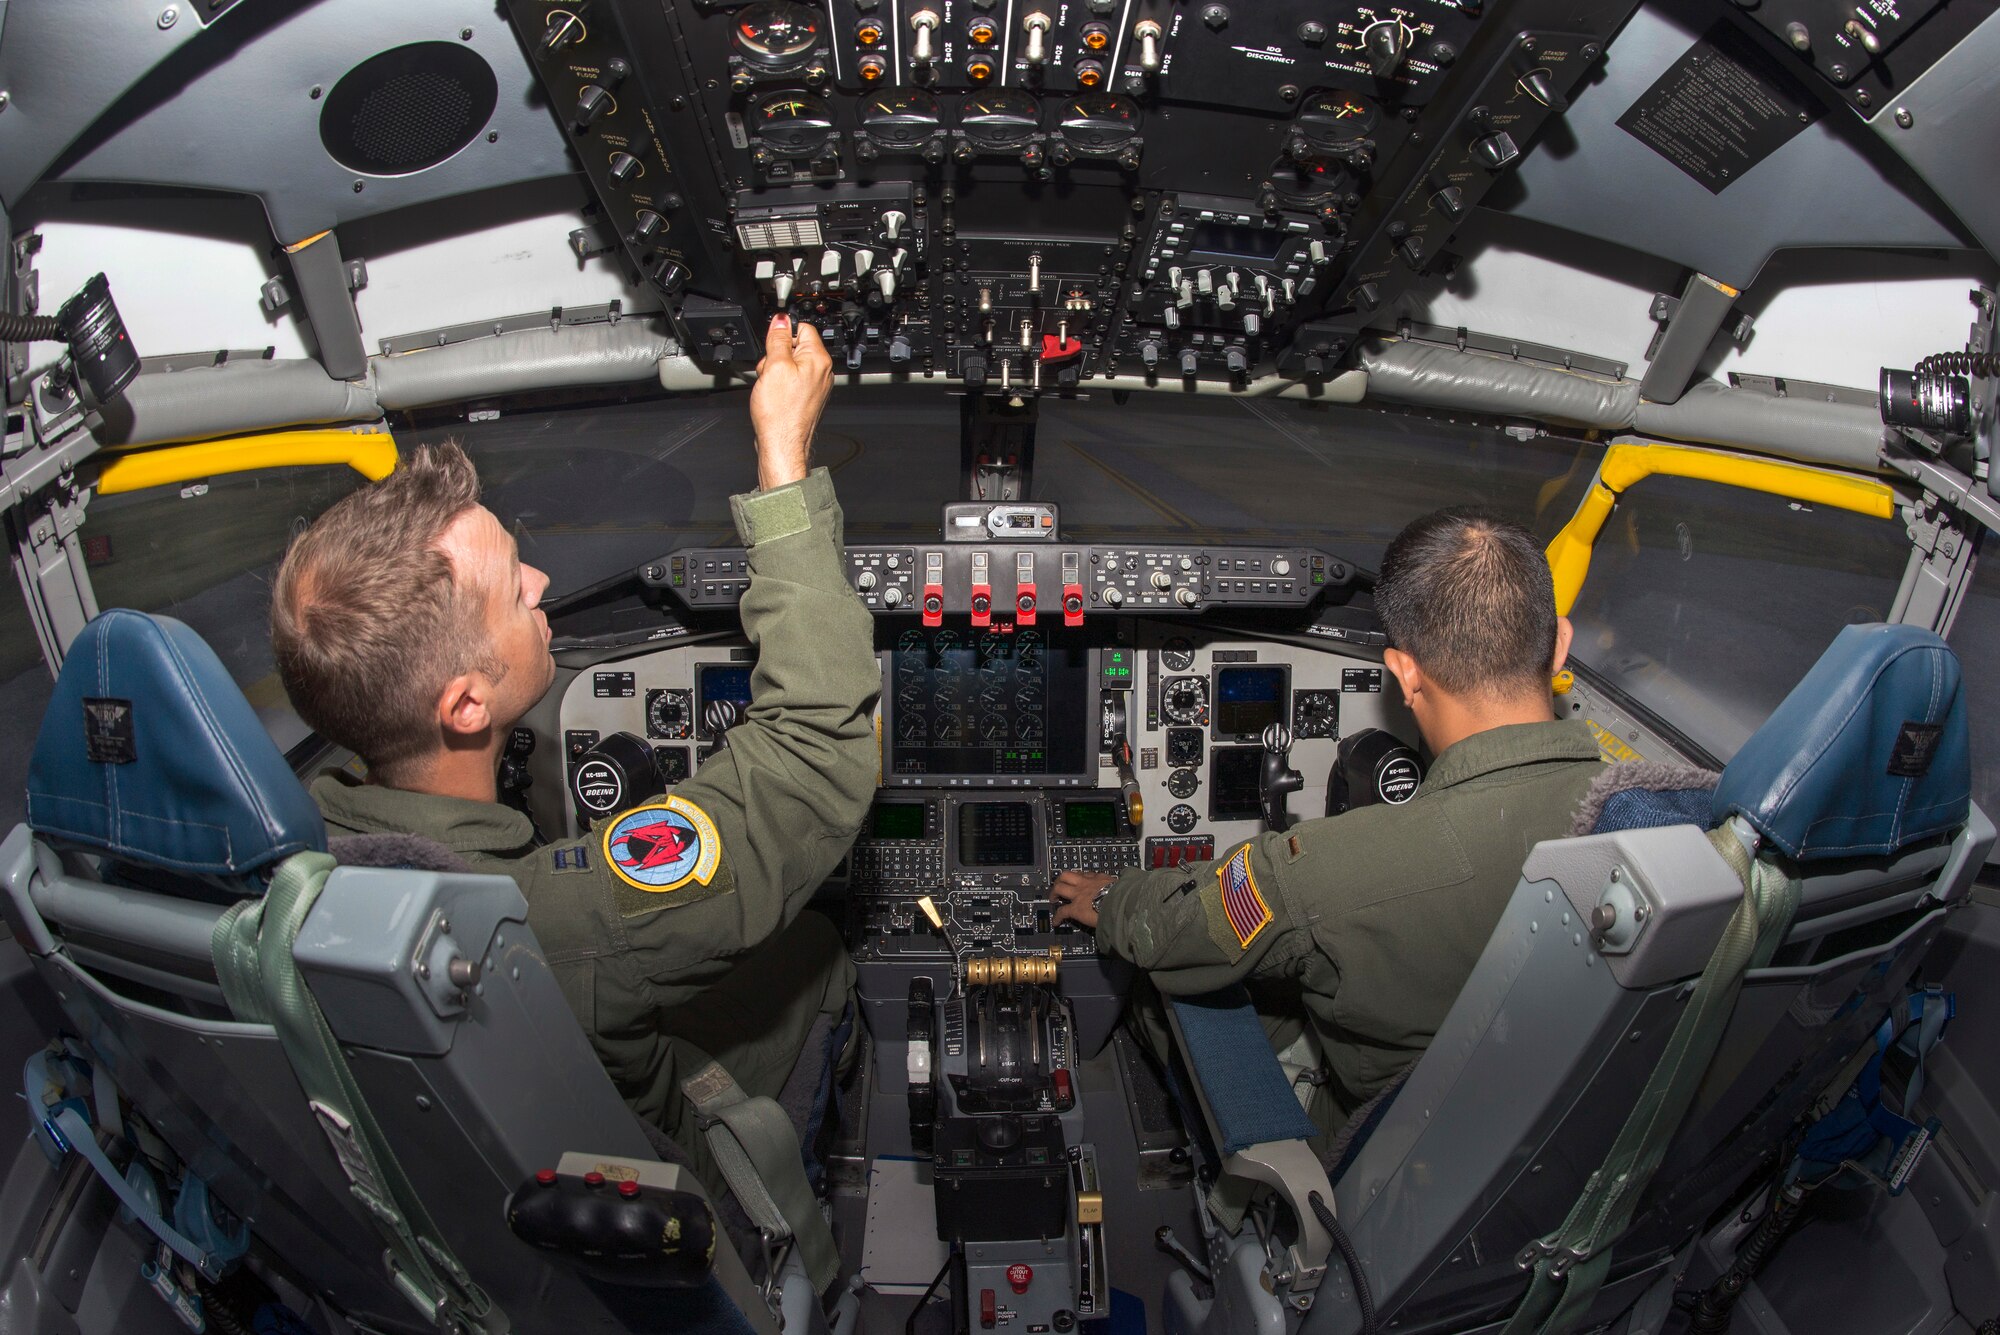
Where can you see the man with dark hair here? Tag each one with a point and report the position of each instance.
(1376, 917)
(406, 629)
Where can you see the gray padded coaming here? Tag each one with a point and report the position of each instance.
(234, 397)
(1447, 378)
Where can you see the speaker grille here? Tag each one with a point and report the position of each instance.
(408, 109)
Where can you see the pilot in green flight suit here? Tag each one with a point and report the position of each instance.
(406, 629)
(1375, 918)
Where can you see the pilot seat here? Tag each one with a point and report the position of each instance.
(1656, 1016)
(370, 1066)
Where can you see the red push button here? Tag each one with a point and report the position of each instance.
(1072, 604)
(988, 1310)
(628, 1189)
(933, 605)
(982, 605)
(546, 1177)
(1024, 605)
(593, 1179)
(1018, 1275)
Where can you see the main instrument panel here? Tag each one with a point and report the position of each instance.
(1023, 194)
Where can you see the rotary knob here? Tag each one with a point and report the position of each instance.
(1281, 566)
(646, 225)
(892, 597)
(1162, 580)
(625, 168)
(865, 580)
(1113, 597)
(592, 104)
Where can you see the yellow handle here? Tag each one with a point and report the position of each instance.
(369, 453)
(1625, 464)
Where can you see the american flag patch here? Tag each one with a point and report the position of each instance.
(1242, 904)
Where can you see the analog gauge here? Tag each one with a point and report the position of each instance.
(1185, 700)
(993, 727)
(1028, 700)
(912, 642)
(900, 117)
(1177, 655)
(1182, 820)
(993, 647)
(944, 643)
(797, 125)
(913, 728)
(947, 729)
(777, 35)
(667, 714)
(1334, 121)
(993, 697)
(910, 700)
(1028, 729)
(1316, 714)
(1005, 118)
(1183, 782)
(1105, 121)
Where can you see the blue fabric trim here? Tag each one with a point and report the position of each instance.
(1240, 1078)
(1649, 809)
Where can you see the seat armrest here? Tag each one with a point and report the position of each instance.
(1253, 1117)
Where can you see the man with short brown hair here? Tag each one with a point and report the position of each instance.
(406, 628)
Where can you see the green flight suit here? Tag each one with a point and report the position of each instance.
(663, 977)
(1375, 918)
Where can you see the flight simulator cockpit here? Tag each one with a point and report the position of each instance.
(1151, 323)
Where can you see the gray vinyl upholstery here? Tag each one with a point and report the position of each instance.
(1520, 1095)
(473, 1100)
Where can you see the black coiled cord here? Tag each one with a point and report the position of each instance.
(1362, 1295)
(31, 328)
(1985, 365)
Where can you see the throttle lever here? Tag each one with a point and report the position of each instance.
(1277, 780)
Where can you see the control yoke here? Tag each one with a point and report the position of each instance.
(1277, 781)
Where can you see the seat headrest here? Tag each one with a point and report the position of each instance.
(149, 752)
(1867, 755)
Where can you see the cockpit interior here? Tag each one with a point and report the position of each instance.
(1152, 323)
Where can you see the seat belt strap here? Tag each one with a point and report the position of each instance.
(757, 1150)
(252, 949)
(1570, 1265)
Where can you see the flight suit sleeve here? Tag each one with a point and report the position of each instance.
(779, 804)
(1206, 925)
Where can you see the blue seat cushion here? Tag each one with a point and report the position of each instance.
(149, 752)
(1866, 756)
(1241, 1081)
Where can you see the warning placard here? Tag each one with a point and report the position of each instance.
(1721, 109)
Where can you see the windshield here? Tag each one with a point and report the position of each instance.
(591, 495)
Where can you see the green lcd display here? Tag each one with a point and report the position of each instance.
(898, 820)
(1090, 820)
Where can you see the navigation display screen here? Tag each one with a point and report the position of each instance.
(720, 681)
(996, 834)
(897, 820)
(991, 703)
(1247, 699)
(1089, 820)
(1233, 791)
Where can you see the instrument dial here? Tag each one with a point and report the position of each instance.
(777, 34)
(1005, 118)
(1333, 121)
(900, 117)
(797, 125)
(1105, 121)
(1316, 714)
(1182, 819)
(668, 714)
(1177, 655)
(1182, 783)
(1185, 700)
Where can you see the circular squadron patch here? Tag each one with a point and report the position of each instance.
(662, 847)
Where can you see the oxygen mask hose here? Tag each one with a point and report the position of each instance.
(1364, 1297)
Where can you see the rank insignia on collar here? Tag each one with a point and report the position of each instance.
(662, 847)
(1242, 903)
